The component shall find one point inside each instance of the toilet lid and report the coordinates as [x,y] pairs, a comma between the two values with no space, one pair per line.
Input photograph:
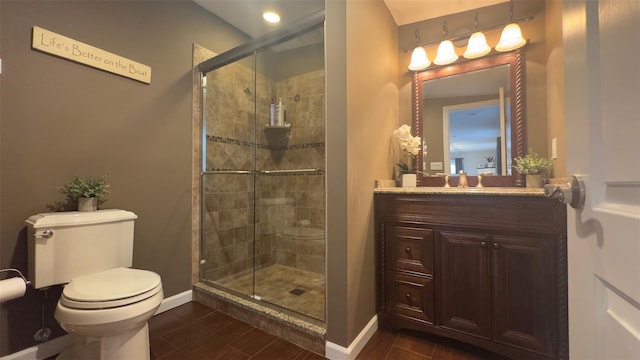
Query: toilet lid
[111,288]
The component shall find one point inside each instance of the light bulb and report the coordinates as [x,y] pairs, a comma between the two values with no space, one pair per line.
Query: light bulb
[446,53]
[511,38]
[477,46]
[419,59]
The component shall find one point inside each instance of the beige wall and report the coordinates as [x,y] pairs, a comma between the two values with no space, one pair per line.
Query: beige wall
[555,87]
[60,118]
[336,176]
[361,115]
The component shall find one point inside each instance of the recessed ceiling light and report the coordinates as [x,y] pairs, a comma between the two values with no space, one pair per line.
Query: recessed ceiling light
[271,17]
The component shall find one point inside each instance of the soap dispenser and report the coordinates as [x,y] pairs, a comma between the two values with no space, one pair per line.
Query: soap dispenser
[280,113]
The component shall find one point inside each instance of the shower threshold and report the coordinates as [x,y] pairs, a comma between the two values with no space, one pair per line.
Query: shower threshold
[306,334]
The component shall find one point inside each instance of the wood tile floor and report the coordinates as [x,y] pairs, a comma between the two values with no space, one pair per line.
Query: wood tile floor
[194,331]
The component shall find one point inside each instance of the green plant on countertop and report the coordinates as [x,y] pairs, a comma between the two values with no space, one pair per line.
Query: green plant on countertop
[89,187]
[532,164]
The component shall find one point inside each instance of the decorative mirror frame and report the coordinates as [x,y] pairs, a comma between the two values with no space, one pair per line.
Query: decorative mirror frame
[515,60]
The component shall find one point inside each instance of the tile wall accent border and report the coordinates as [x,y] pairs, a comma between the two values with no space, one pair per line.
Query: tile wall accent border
[226,140]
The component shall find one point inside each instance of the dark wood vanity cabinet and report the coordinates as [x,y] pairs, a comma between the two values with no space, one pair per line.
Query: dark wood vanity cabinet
[489,270]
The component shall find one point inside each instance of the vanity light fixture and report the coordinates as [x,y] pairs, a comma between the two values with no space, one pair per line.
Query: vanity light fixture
[511,37]
[419,59]
[477,46]
[271,17]
[446,53]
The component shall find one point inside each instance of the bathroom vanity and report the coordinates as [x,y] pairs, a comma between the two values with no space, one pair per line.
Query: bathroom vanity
[484,266]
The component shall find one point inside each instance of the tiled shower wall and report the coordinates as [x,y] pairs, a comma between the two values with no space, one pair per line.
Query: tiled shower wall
[283,201]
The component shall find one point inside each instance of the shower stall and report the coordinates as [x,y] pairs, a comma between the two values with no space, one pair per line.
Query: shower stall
[262,170]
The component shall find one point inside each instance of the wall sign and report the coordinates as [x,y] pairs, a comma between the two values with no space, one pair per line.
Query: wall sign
[56,44]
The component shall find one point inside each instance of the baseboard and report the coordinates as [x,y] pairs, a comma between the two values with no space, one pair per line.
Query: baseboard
[42,351]
[336,352]
[57,345]
[175,301]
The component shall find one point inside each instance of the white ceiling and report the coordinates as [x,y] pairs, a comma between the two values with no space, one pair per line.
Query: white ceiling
[411,11]
[246,15]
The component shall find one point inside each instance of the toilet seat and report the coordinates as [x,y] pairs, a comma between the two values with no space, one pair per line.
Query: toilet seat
[110,289]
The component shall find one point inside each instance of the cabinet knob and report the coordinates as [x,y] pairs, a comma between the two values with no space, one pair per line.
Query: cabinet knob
[496,245]
[408,296]
[407,250]
[483,244]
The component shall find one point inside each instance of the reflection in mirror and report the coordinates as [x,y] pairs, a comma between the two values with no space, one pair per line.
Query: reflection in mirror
[472,117]
[474,111]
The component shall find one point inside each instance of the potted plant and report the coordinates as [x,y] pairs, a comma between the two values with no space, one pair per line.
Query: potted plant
[489,161]
[533,166]
[86,192]
[410,145]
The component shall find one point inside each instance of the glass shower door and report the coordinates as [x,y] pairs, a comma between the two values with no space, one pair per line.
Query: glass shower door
[228,180]
[290,160]
[263,192]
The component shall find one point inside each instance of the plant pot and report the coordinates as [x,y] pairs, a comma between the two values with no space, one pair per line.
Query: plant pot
[87,204]
[535,181]
[408,180]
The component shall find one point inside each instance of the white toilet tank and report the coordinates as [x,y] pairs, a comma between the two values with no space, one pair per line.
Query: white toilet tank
[63,245]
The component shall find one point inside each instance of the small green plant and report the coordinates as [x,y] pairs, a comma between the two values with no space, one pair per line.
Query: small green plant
[532,164]
[89,187]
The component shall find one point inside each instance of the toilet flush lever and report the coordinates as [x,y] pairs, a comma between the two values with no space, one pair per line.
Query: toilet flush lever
[44,234]
[572,192]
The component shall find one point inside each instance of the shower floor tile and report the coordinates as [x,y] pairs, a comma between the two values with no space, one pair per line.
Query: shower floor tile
[279,284]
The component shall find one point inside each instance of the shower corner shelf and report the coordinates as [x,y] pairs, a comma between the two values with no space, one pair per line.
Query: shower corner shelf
[277,127]
[277,136]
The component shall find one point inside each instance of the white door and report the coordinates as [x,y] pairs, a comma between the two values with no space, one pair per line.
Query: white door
[602,77]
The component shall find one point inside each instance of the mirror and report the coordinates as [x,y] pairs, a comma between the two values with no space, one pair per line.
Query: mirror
[471,117]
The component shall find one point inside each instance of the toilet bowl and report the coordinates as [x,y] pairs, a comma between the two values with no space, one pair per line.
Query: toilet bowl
[108,313]
[105,304]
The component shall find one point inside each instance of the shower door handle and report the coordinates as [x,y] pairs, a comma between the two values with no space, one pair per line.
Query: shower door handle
[211,172]
[290,171]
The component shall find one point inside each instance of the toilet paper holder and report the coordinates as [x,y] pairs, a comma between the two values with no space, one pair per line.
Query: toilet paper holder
[27,282]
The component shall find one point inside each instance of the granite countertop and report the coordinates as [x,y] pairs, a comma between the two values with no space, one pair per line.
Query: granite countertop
[506,191]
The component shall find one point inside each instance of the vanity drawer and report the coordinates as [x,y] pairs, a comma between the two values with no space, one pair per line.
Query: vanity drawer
[409,247]
[410,296]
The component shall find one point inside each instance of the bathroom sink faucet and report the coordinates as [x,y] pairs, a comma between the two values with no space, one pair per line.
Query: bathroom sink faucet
[462,180]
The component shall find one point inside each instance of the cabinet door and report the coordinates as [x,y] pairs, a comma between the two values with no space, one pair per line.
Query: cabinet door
[464,304]
[524,295]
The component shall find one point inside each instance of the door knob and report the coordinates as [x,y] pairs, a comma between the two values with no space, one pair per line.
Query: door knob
[572,192]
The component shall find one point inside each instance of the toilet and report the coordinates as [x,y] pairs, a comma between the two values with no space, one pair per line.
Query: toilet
[105,304]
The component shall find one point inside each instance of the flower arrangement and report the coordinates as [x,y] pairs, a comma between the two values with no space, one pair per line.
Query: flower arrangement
[86,188]
[409,144]
[532,164]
